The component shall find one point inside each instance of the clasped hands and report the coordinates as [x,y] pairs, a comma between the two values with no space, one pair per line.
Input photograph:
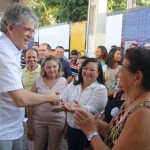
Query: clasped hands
[54,98]
[86,121]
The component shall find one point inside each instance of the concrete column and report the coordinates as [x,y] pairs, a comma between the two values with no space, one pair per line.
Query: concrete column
[96,26]
[131,4]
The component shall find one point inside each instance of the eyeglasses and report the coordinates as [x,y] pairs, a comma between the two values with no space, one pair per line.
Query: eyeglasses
[122,68]
[88,69]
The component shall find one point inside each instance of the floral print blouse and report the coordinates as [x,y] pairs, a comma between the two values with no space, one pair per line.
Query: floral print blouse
[118,123]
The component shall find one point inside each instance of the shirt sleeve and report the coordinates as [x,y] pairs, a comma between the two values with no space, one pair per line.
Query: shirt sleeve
[97,101]
[68,69]
[65,94]
[10,69]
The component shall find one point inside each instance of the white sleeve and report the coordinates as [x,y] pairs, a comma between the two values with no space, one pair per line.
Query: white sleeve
[97,101]
[66,92]
[10,72]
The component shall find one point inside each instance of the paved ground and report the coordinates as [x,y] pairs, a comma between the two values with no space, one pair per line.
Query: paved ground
[63,145]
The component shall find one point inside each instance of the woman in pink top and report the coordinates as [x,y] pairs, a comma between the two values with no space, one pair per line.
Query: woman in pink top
[47,124]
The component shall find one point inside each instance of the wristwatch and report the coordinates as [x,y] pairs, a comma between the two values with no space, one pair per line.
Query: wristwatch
[91,135]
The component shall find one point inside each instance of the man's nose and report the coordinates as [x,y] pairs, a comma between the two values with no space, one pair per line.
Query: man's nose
[30,34]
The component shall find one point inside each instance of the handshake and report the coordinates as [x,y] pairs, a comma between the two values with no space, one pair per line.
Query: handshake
[55,98]
[63,105]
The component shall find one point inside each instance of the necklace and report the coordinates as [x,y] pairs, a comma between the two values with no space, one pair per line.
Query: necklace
[139,95]
[122,117]
[124,96]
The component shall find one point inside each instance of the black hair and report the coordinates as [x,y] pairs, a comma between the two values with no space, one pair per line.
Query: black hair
[139,60]
[114,46]
[36,44]
[31,49]
[84,57]
[100,78]
[60,47]
[134,45]
[104,51]
[48,46]
[110,59]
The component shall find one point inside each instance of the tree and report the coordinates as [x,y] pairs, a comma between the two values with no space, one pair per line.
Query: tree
[56,11]
[143,3]
[69,10]
[116,5]
[44,12]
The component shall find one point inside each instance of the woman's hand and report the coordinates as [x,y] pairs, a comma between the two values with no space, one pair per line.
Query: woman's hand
[110,92]
[72,107]
[59,108]
[69,107]
[86,121]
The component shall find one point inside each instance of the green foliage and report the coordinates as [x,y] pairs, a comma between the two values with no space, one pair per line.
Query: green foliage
[142,3]
[116,5]
[56,11]
[70,10]
[71,13]
[44,12]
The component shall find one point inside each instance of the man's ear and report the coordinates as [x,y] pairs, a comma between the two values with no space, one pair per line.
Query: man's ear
[10,28]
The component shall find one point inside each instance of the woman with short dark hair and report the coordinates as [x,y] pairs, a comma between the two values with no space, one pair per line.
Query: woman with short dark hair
[129,129]
[90,93]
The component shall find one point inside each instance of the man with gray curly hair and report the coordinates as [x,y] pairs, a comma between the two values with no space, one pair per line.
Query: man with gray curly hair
[17,28]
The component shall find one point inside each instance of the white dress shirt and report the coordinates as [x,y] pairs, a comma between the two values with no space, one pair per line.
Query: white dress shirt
[93,98]
[11,116]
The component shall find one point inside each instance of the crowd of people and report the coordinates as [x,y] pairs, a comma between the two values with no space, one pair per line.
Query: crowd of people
[95,103]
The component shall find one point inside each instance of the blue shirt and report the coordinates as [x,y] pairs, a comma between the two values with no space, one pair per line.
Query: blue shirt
[66,68]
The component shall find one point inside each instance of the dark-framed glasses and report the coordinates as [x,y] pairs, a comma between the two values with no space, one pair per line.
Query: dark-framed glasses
[88,69]
[122,68]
